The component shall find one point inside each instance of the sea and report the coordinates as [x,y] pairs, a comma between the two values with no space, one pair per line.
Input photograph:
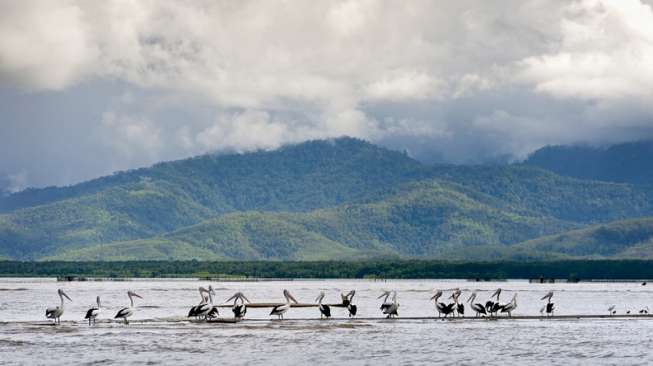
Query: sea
[159,333]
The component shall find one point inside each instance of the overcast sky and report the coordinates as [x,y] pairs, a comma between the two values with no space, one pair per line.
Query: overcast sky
[90,87]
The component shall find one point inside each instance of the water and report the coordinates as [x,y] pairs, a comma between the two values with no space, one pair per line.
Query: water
[159,333]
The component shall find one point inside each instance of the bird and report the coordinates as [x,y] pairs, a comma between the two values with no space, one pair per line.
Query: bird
[325,310]
[213,309]
[611,309]
[279,310]
[57,311]
[93,312]
[478,308]
[644,310]
[438,306]
[202,307]
[126,312]
[496,293]
[390,309]
[459,308]
[385,304]
[511,306]
[549,307]
[445,309]
[239,309]
[347,300]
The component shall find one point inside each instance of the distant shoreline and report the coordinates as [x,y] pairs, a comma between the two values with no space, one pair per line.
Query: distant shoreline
[543,272]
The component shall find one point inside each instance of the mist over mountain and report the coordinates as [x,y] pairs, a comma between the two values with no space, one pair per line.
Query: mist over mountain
[630,162]
[323,199]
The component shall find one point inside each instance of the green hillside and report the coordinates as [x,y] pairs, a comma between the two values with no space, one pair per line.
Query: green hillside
[426,219]
[631,239]
[298,177]
[335,199]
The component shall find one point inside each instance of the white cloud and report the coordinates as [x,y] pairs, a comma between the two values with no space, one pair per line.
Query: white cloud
[606,53]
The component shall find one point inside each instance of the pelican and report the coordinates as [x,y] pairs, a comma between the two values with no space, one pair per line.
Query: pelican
[202,307]
[446,309]
[213,309]
[478,308]
[347,300]
[325,310]
[459,307]
[644,310]
[206,306]
[511,306]
[385,304]
[239,310]
[93,312]
[279,310]
[611,309]
[438,306]
[496,293]
[550,307]
[57,311]
[127,312]
[390,309]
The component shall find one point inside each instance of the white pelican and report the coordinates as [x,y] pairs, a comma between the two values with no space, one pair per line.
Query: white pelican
[611,309]
[279,310]
[390,309]
[57,311]
[325,310]
[202,306]
[347,300]
[478,308]
[239,310]
[93,312]
[127,312]
[511,306]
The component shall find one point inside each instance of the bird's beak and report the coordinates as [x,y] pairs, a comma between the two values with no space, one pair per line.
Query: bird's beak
[66,296]
[244,298]
[231,298]
[137,295]
[386,293]
[292,298]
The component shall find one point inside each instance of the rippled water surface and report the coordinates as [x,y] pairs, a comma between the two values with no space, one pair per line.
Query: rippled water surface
[160,334]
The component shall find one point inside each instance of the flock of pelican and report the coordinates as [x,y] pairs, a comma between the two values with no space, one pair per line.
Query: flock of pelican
[207,310]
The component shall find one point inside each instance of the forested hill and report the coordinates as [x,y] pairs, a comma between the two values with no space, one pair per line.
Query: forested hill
[342,198]
[296,177]
[630,162]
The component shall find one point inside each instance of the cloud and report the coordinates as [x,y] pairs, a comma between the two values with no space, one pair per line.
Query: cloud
[606,53]
[130,83]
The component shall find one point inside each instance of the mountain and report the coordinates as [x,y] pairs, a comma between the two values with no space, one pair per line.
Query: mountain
[626,163]
[424,219]
[340,198]
[625,239]
[151,201]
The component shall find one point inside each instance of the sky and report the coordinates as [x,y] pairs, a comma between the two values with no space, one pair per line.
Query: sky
[91,87]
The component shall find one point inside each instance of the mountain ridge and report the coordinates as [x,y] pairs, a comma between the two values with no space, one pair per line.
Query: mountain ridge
[322,199]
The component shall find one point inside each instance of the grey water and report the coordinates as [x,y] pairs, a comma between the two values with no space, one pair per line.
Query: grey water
[159,333]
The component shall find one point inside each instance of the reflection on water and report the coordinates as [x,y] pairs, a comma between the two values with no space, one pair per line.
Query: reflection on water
[157,335]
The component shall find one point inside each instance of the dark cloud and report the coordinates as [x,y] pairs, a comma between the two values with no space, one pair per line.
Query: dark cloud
[125,84]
